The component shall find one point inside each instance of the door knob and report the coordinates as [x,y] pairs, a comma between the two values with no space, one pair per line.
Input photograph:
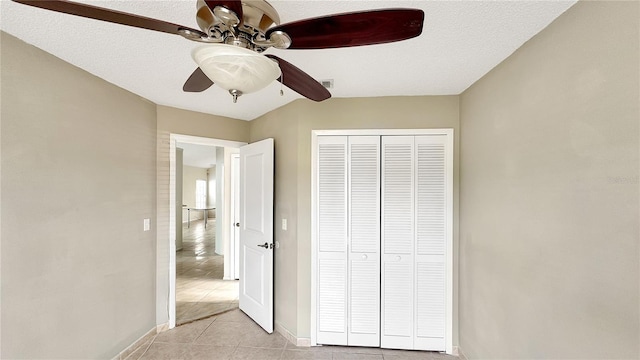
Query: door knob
[237,224]
[265,245]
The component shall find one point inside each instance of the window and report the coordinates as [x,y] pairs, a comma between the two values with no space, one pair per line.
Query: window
[201,194]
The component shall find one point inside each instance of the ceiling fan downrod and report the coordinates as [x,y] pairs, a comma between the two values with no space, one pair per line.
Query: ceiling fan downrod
[236,94]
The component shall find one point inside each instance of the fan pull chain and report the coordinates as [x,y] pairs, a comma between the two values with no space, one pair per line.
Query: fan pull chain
[281,80]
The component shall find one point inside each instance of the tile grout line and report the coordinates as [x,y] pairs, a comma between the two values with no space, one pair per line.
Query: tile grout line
[283,350]
[235,350]
[205,329]
[148,346]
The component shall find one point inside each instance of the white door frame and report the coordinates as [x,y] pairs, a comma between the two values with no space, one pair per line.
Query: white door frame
[234,232]
[173,138]
[314,199]
[227,219]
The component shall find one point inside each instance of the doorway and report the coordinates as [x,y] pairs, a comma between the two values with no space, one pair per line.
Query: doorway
[201,283]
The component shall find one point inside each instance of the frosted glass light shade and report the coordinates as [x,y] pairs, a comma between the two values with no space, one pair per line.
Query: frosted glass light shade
[235,68]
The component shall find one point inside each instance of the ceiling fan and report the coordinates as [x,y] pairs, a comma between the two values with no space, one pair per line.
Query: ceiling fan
[237,32]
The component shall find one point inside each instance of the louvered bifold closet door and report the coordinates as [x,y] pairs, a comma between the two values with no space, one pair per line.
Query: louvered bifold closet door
[332,240]
[364,241]
[431,181]
[397,242]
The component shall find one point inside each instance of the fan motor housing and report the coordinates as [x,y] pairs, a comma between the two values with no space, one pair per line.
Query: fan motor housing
[258,17]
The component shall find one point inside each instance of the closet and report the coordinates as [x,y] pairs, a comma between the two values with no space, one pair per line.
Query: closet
[382,242]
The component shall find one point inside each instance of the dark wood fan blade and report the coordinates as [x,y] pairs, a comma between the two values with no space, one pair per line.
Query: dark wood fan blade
[98,13]
[197,82]
[300,82]
[353,29]
[233,5]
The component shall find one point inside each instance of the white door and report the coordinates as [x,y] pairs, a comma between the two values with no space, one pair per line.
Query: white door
[364,241]
[397,242]
[256,232]
[348,240]
[383,241]
[332,240]
[431,204]
[415,223]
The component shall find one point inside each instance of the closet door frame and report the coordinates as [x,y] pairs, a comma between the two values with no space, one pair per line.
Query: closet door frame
[448,132]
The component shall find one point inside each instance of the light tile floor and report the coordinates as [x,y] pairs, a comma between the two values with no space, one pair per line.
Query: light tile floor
[233,335]
[200,290]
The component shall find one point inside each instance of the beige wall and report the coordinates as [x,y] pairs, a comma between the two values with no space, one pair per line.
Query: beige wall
[291,127]
[211,190]
[282,125]
[79,282]
[185,122]
[189,176]
[220,185]
[549,248]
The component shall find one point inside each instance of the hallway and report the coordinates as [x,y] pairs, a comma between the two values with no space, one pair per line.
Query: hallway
[200,290]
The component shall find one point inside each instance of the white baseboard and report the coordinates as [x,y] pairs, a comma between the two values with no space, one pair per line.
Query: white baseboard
[285,333]
[303,342]
[136,344]
[162,327]
[458,352]
[455,351]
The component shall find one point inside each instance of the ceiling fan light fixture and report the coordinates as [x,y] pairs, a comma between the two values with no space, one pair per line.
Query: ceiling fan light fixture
[236,68]
[242,29]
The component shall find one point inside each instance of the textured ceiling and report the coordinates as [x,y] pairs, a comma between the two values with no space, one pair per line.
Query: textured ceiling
[461,41]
